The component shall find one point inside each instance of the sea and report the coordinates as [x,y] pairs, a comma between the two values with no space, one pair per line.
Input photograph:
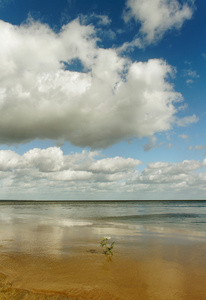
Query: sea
[173,215]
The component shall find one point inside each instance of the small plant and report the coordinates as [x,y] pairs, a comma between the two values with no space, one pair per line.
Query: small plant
[108,249]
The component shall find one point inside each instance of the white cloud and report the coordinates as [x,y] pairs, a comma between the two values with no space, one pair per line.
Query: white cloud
[106,100]
[189,81]
[102,19]
[113,165]
[49,169]
[157,16]
[49,174]
[46,160]
[190,75]
[8,160]
[130,46]
[187,121]
[167,173]
[70,175]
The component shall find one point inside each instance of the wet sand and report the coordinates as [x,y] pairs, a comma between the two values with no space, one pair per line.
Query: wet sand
[144,266]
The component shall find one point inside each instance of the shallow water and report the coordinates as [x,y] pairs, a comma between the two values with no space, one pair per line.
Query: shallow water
[50,250]
[185,215]
[52,227]
[144,268]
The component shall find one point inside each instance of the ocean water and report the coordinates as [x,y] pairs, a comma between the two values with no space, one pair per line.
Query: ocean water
[174,215]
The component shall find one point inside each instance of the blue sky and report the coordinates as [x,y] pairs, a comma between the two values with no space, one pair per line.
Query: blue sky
[102,99]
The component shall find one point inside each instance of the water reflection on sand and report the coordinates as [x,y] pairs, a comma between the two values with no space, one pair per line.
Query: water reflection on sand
[43,252]
[24,232]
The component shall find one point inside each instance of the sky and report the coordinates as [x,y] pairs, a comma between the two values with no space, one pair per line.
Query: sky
[102,100]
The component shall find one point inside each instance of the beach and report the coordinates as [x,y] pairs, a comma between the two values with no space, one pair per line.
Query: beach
[49,260]
[144,267]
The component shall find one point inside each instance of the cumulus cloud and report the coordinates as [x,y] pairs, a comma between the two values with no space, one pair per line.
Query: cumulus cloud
[48,172]
[53,160]
[177,174]
[113,165]
[63,86]
[105,100]
[47,168]
[157,16]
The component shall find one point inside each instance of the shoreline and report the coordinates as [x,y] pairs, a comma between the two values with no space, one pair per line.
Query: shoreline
[11,201]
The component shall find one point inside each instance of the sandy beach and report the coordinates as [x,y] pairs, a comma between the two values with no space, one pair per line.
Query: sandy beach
[143,266]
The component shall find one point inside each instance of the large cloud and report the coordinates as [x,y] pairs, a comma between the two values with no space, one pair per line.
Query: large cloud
[158,16]
[106,99]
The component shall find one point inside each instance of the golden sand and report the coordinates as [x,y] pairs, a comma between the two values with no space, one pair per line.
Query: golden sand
[154,268]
